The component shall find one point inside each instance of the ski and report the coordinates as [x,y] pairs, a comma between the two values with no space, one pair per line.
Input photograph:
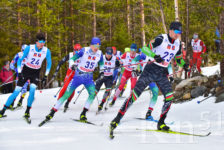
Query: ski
[28,120]
[17,108]
[153,120]
[176,132]
[3,116]
[87,122]
[43,122]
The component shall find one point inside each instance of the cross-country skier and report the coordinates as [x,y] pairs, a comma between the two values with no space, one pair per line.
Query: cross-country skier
[13,67]
[117,54]
[130,70]
[198,48]
[35,55]
[163,49]
[89,57]
[70,73]
[106,77]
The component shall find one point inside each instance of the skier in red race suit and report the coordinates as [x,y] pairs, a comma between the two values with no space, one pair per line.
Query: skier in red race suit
[198,48]
[130,70]
[70,73]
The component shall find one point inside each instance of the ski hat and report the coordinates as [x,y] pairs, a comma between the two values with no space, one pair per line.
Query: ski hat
[23,47]
[133,47]
[127,49]
[109,50]
[77,47]
[95,41]
[176,26]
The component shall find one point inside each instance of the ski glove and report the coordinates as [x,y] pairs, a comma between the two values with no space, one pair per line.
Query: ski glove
[101,75]
[134,73]
[158,59]
[171,80]
[44,80]
[74,67]
[186,67]
[55,74]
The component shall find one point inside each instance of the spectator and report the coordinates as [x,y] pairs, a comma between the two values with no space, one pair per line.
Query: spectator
[6,76]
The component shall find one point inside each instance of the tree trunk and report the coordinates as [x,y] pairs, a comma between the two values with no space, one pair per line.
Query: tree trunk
[94,17]
[38,16]
[19,23]
[221,30]
[162,16]
[128,16]
[29,21]
[133,23]
[72,23]
[142,21]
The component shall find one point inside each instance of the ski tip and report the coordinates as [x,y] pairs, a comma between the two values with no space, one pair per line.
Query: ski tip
[208,133]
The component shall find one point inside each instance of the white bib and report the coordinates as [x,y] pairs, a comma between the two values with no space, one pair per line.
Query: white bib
[108,65]
[34,58]
[127,61]
[196,46]
[166,50]
[89,61]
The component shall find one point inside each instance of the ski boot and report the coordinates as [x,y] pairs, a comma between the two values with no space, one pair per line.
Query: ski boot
[83,118]
[114,123]
[112,103]
[162,126]
[100,107]
[148,115]
[2,113]
[83,115]
[66,106]
[27,118]
[51,115]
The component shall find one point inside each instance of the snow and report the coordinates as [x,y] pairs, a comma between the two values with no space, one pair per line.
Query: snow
[63,133]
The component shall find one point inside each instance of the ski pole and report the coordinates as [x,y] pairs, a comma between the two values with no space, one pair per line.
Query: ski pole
[79,94]
[8,79]
[204,99]
[7,83]
[64,83]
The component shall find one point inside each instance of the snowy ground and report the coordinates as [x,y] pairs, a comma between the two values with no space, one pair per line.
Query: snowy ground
[63,133]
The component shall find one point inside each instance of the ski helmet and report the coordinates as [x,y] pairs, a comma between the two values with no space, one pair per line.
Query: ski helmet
[95,41]
[77,47]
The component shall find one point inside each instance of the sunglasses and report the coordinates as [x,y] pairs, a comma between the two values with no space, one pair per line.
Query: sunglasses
[132,49]
[96,46]
[41,41]
[109,53]
[177,31]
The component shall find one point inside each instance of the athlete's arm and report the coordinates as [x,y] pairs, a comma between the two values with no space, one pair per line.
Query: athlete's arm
[13,62]
[178,57]
[101,62]
[48,59]
[78,54]
[154,43]
[64,59]
[19,62]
